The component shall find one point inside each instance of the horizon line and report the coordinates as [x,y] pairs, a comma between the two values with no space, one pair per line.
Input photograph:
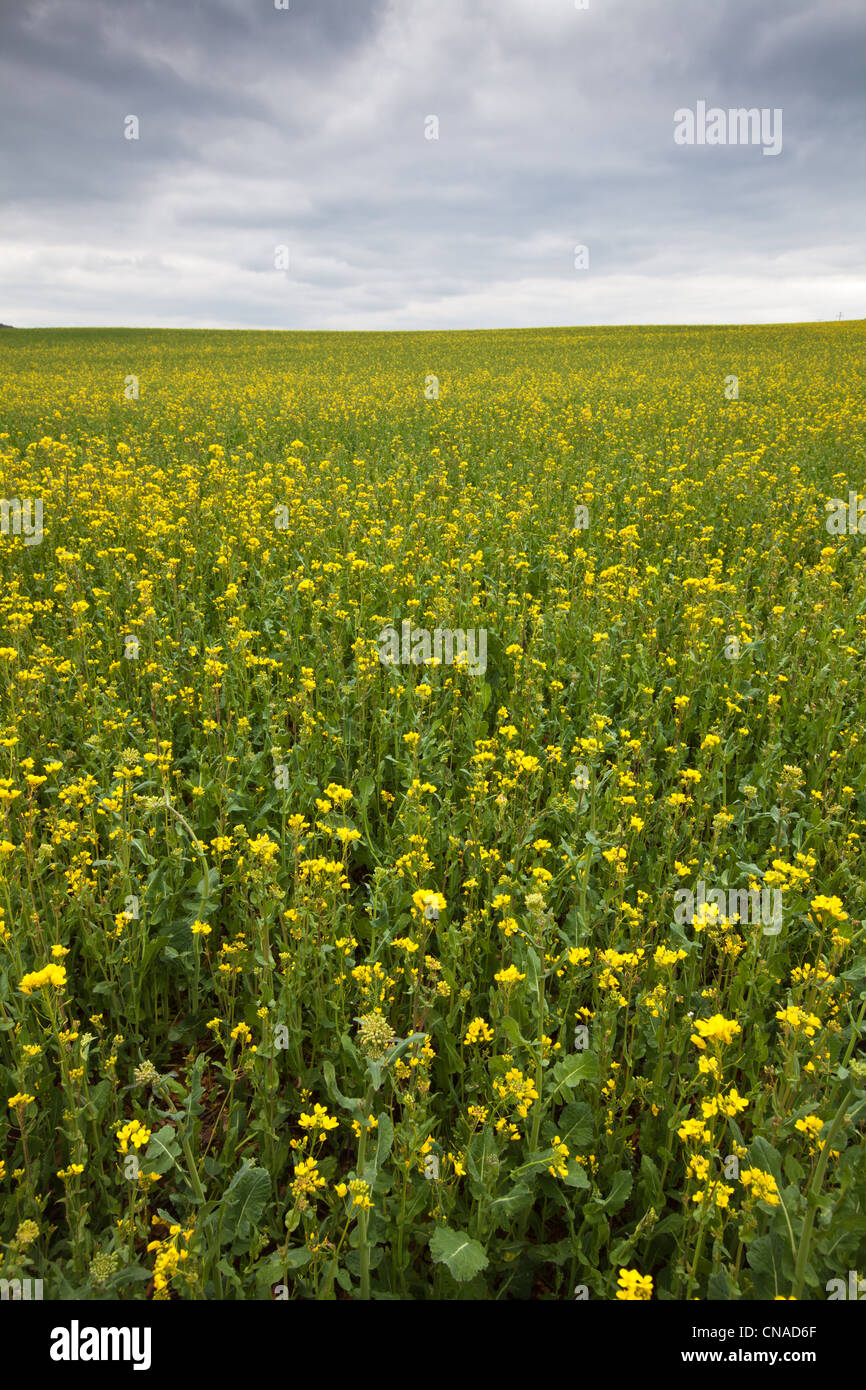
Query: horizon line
[506,328]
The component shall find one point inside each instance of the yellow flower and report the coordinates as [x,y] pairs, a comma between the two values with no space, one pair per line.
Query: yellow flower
[664,957]
[49,975]
[72,1171]
[798,1019]
[509,977]
[762,1185]
[716,1029]
[430,904]
[694,1131]
[733,1102]
[134,1133]
[559,1167]
[307,1179]
[634,1287]
[341,795]
[21,1098]
[360,1191]
[517,1090]
[828,907]
[319,1119]
[478,1031]
[810,1125]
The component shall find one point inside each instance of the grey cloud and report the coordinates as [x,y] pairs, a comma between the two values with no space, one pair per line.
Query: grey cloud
[306,127]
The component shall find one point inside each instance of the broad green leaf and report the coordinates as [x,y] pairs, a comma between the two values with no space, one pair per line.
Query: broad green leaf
[297,1258]
[764,1255]
[576,1126]
[384,1139]
[511,1029]
[582,1066]
[718,1286]
[163,1150]
[765,1157]
[402,1048]
[576,1175]
[244,1201]
[511,1203]
[619,1192]
[463,1255]
[347,1102]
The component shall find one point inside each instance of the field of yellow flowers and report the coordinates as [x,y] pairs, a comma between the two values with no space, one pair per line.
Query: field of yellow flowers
[328,973]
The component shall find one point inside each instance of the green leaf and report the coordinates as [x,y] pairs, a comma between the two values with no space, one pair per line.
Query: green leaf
[650,1180]
[511,1203]
[511,1029]
[347,1102]
[763,1255]
[576,1126]
[582,1066]
[464,1256]
[765,1157]
[244,1200]
[718,1286]
[297,1258]
[150,951]
[99,1097]
[576,1175]
[353,1260]
[384,1139]
[269,1270]
[163,1151]
[533,969]
[403,1047]
[619,1192]
[794,1171]
[669,1225]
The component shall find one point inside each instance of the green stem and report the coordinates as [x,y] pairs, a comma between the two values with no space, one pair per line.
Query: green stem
[812,1198]
[364,1218]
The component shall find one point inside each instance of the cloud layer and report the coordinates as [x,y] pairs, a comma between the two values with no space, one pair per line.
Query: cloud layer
[306,128]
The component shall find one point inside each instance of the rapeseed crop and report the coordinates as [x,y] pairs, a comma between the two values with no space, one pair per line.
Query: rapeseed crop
[338,964]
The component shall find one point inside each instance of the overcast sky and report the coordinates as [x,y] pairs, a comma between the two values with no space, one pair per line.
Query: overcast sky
[307,128]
